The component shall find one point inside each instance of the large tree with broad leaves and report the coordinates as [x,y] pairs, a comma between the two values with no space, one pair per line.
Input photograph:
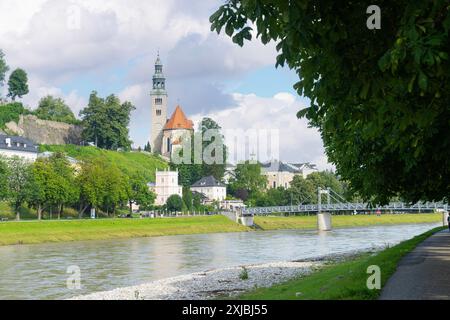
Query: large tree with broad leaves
[380,98]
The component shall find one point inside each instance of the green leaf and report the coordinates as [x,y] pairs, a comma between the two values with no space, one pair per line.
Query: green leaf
[423,81]
[229,29]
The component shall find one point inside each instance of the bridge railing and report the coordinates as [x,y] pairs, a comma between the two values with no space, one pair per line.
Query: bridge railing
[336,207]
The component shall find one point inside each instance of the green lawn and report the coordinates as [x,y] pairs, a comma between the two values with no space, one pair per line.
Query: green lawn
[128,162]
[341,281]
[31,232]
[305,222]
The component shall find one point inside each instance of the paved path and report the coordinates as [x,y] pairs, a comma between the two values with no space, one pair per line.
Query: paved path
[423,274]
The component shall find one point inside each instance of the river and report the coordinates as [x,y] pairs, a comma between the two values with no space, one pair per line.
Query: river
[40,271]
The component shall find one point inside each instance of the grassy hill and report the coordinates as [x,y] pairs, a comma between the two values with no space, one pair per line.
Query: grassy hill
[128,162]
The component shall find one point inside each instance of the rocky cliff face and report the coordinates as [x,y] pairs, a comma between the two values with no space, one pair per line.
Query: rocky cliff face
[44,131]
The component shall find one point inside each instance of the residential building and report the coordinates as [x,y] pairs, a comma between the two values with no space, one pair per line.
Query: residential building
[280,174]
[166,185]
[212,188]
[14,146]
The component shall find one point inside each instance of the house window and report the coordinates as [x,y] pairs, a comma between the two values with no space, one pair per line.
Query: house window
[274,184]
[158,112]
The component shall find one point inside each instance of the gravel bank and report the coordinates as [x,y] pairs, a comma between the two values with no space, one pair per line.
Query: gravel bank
[209,284]
[218,283]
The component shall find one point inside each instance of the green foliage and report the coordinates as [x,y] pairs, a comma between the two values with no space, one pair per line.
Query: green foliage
[190,172]
[174,203]
[3,68]
[248,177]
[218,154]
[188,198]
[303,191]
[148,147]
[11,112]
[379,97]
[55,109]
[102,185]
[18,175]
[4,171]
[197,168]
[106,121]
[17,84]
[130,163]
[243,275]
[139,193]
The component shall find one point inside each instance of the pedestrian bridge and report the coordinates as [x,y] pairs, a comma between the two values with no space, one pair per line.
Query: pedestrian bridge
[348,207]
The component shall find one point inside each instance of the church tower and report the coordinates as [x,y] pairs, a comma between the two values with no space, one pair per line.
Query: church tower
[159,107]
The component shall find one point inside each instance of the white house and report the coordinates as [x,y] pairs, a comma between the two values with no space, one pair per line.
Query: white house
[14,146]
[166,185]
[280,174]
[212,188]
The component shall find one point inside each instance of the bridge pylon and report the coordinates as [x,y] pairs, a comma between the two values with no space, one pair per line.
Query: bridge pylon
[323,218]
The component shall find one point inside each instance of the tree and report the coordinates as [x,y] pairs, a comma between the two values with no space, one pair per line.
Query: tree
[91,181]
[216,169]
[18,84]
[324,180]
[18,175]
[38,185]
[116,185]
[4,172]
[62,183]
[190,172]
[302,191]
[139,193]
[248,177]
[3,69]
[106,121]
[188,198]
[379,97]
[54,109]
[174,203]
[147,147]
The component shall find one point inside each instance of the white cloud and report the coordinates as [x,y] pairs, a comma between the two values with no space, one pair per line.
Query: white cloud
[42,36]
[298,142]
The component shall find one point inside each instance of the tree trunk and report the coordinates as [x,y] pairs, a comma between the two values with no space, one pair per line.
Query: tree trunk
[39,212]
[131,207]
[60,211]
[82,210]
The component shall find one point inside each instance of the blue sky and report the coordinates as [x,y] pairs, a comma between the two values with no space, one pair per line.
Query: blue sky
[71,47]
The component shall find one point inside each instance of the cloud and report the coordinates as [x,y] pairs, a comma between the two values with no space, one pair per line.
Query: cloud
[70,47]
[297,142]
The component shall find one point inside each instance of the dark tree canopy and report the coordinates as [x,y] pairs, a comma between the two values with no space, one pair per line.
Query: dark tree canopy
[174,203]
[105,122]
[18,84]
[54,109]
[380,98]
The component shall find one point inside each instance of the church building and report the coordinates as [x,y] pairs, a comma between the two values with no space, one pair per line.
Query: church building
[167,133]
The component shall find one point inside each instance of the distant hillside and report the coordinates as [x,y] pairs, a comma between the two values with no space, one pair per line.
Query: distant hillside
[128,162]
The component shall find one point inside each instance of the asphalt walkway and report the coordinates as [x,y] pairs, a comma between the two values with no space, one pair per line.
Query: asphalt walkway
[423,274]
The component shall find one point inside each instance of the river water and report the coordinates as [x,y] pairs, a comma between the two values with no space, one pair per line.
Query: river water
[40,271]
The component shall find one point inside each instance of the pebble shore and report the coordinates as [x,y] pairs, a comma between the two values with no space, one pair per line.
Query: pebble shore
[225,282]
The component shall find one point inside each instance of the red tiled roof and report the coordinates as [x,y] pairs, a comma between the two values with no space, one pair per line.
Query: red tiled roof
[179,121]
